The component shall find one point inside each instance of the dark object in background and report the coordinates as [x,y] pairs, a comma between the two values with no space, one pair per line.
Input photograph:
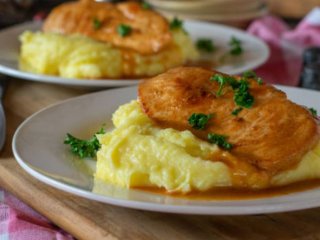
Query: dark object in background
[311,55]
[17,11]
[310,74]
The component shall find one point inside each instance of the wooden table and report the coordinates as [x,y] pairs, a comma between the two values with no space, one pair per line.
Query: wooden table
[87,219]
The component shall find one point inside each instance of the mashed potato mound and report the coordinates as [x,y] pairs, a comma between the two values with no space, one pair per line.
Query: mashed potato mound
[139,154]
[76,56]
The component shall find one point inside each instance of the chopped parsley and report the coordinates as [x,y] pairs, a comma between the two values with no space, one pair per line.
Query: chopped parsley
[252,74]
[242,97]
[235,46]
[220,140]
[313,112]
[84,148]
[96,23]
[124,30]
[176,23]
[205,45]
[223,81]
[199,120]
[145,5]
[236,111]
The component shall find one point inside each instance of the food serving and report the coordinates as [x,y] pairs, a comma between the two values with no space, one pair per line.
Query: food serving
[193,129]
[89,39]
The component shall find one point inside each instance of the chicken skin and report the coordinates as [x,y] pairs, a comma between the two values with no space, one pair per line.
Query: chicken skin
[149,34]
[272,135]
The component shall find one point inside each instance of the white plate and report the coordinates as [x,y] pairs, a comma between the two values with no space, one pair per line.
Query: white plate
[256,53]
[39,149]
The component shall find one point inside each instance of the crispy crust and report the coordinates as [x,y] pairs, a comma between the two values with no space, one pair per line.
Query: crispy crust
[273,135]
[150,31]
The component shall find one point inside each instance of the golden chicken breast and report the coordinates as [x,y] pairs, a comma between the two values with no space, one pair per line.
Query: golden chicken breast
[101,21]
[272,134]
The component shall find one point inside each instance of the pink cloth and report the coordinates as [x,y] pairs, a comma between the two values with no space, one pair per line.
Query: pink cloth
[286,46]
[20,222]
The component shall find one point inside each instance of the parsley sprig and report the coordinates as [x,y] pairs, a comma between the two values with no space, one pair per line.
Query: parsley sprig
[223,81]
[176,23]
[199,120]
[124,30]
[84,148]
[96,23]
[236,111]
[145,5]
[242,96]
[235,46]
[313,112]
[220,140]
[251,74]
[205,45]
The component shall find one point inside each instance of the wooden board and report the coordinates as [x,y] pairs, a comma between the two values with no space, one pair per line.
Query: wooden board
[87,219]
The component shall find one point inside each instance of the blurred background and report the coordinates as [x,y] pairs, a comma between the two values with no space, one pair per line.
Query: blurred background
[238,13]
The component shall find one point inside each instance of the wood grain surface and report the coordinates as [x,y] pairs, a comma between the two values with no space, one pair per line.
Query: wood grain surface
[87,219]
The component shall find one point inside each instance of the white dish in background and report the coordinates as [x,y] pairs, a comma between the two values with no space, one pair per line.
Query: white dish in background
[226,11]
[255,53]
[39,149]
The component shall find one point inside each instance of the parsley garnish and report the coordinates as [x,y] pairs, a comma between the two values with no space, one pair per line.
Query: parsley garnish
[145,5]
[236,48]
[205,44]
[313,112]
[224,80]
[236,111]
[176,23]
[96,23]
[220,140]
[124,30]
[242,97]
[252,74]
[84,148]
[199,120]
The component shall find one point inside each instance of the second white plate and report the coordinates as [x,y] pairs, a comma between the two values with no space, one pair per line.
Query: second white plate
[255,53]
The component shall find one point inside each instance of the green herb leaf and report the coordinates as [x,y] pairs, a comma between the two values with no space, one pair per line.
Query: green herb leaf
[223,81]
[236,47]
[84,148]
[313,112]
[236,111]
[205,44]
[199,120]
[96,23]
[176,23]
[242,97]
[145,5]
[220,140]
[252,74]
[124,30]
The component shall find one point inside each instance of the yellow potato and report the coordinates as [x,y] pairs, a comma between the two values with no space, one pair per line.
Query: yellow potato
[76,56]
[139,154]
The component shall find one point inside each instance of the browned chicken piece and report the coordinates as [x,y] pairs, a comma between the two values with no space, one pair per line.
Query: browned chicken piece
[100,20]
[272,135]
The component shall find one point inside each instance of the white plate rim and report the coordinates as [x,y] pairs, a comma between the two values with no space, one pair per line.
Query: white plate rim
[125,82]
[199,210]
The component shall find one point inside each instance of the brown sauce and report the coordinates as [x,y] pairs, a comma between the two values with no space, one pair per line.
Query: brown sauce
[225,193]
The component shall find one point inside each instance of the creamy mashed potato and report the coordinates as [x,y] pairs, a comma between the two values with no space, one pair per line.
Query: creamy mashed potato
[139,154]
[76,56]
